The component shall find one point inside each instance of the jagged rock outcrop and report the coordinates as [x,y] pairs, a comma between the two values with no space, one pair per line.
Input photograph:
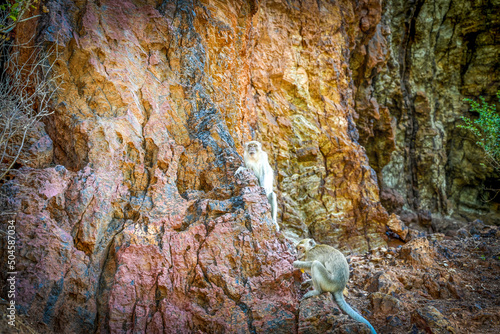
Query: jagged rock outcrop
[226,270]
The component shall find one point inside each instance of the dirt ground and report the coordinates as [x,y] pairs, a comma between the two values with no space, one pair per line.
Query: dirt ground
[437,284]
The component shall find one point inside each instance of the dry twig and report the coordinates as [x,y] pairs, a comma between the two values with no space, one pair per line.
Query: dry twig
[26,87]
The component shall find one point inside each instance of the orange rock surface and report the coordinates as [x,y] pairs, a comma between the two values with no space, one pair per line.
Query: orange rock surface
[208,77]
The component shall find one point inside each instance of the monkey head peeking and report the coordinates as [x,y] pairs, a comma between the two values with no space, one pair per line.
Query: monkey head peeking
[257,160]
[329,272]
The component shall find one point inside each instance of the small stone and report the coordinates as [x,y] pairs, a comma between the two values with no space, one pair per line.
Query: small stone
[385,304]
[432,321]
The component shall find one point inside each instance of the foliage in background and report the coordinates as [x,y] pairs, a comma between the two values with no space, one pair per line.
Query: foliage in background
[486,129]
[13,12]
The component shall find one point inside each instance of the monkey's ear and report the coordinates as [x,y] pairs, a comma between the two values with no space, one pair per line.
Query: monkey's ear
[312,243]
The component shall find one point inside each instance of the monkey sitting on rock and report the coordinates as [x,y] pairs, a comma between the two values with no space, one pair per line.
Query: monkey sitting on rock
[257,160]
[329,272]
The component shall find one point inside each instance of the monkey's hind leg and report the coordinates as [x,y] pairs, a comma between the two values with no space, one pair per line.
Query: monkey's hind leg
[311,293]
[306,284]
[322,279]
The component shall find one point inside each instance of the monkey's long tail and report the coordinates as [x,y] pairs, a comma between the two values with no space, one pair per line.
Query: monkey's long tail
[339,298]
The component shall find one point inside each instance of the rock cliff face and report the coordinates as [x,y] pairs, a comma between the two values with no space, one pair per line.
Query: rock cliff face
[205,78]
[425,57]
[139,224]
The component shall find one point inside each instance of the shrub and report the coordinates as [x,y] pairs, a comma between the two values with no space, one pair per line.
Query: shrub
[486,129]
[26,86]
[11,13]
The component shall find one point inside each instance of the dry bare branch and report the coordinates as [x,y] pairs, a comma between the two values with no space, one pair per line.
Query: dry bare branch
[26,87]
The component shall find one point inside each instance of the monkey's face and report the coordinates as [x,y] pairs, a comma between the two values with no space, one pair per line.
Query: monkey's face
[303,247]
[300,252]
[253,148]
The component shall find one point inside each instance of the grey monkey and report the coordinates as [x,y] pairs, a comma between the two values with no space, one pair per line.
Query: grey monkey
[329,272]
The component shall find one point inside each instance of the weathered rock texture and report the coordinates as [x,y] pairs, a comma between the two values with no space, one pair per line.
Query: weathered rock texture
[140,225]
[212,265]
[209,77]
[424,58]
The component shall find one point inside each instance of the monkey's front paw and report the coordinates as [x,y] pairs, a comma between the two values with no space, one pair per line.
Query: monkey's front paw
[306,265]
[241,169]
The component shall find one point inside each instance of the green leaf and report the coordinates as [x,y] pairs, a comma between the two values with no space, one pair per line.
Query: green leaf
[485,127]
